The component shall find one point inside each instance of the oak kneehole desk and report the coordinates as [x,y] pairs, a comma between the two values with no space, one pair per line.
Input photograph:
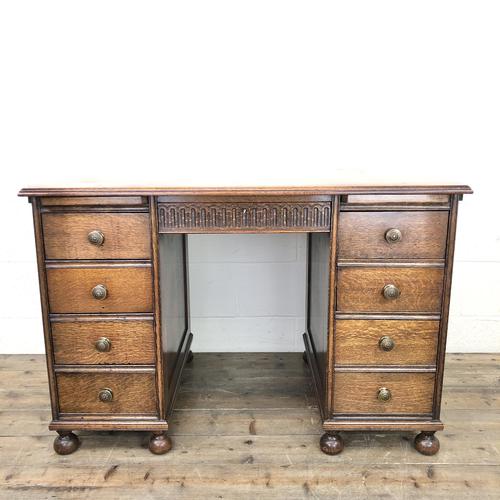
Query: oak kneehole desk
[113,275]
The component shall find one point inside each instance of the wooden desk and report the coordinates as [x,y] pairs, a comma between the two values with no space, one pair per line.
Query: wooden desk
[113,274]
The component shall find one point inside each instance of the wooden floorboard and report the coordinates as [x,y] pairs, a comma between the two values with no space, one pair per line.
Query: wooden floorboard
[247,426]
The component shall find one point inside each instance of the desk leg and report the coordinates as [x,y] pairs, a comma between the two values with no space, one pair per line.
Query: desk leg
[160,443]
[66,443]
[331,443]
[427,443]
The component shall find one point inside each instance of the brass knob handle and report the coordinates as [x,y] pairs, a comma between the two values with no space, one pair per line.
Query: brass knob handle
[106,395]
[393,235]
[96,238]
[99,292]
[103,344]
[386,343]
[391,292]
[384,394]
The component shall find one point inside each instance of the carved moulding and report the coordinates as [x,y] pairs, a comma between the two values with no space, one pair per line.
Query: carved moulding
[178,217]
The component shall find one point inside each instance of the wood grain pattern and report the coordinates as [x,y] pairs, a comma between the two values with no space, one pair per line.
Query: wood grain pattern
[126,235]
[129,289]
[445,305]
[155,263]
[248,191]
[360,289]
[109,423]
[318,278]
[133,393]
[132,342]
[93,201]
[115,465]
[265,480]
[251,216]
[332,303]
[44,301]
[357,342]
[397,199]
[174,304]
[386,423]
[362,235]
[356,393]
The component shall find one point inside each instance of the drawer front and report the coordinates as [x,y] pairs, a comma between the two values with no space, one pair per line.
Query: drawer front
[128,289]
[396,199]
[362,289]
[89,393]
[387,235]
[78,236]
[410,393]
[245,215]
[385,342]
[96,201]
[103,342]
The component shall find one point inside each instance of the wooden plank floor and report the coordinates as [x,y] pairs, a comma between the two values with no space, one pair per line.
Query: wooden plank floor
[247,426]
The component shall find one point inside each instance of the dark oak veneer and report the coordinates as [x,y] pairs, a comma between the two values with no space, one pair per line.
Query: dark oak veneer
[361,289]
[126,235]
[133,393]
[357,342]
[356,393]
[362,235]
[128,289]
[115,359]
[93,201]
[244,216]
[131,341]
[396,199]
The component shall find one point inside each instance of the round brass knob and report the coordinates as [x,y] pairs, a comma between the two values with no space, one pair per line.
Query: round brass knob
[96,238]
[99,292]
[393,235]
[106,395]
[103,344]
[384,394]
[391,292]
[386,343]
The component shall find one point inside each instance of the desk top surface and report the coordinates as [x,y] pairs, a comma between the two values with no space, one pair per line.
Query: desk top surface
[247,191]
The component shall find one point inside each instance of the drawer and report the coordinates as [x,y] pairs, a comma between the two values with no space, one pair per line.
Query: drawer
[78,236]
[361,289]
[94,201]
[410,393]
[385,342]
[107,393]
[93,342]
[389,235]
[127,289]
[395,199]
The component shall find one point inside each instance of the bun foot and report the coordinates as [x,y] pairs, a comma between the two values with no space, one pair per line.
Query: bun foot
[427,443]
[66,443]
[305,358]
[159,443]
[331,443]
[190,357]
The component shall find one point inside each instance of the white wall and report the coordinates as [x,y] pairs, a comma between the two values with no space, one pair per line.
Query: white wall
[256,93]
[248,292]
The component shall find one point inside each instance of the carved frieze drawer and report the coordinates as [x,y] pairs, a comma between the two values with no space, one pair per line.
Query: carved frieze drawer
[206,217]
